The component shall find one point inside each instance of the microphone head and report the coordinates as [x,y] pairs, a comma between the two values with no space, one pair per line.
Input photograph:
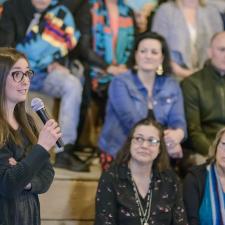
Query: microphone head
[37,104]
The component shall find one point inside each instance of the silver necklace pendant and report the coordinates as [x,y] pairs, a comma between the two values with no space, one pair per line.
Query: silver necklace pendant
[144,214]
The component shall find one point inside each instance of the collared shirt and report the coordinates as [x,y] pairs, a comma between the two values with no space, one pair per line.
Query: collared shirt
[116,205]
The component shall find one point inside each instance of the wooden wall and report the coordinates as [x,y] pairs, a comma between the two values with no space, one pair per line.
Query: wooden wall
[71,199]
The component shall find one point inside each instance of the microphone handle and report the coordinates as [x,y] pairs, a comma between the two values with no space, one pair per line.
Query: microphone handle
[60,143]
[42,113]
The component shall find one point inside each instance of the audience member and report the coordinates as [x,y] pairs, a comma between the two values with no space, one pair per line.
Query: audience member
[220,4]
[188,26]
[140,188]
[204,188]
[25,170]
[145,90]
[142,10]
[204,98]
[109,43]
[45,32]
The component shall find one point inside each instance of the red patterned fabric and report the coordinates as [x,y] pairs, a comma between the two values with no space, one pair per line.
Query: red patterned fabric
[105,160]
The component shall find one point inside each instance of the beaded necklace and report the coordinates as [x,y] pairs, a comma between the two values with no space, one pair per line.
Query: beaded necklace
[144,214]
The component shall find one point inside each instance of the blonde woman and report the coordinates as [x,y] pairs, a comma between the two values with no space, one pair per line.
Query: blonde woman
[206,186]
[187,26]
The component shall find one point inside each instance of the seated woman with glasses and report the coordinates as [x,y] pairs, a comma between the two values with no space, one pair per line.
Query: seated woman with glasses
[147,89]
[204,187]
[139,187]
[25,170]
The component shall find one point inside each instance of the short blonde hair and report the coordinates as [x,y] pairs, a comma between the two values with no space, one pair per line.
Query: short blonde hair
[214,146]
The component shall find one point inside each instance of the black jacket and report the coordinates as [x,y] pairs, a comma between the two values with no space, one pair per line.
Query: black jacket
[15,19]
[17,205]
[193,191]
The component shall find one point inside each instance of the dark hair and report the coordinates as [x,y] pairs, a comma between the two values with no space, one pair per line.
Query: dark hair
[8,57]
[161,162]
[165,50]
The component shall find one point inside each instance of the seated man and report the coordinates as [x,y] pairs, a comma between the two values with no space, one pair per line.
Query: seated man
[204,98]
[45,32]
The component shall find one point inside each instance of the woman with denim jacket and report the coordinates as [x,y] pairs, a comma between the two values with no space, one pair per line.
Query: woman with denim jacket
[147,90]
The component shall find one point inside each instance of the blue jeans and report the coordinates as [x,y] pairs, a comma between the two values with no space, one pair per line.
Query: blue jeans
[68,88]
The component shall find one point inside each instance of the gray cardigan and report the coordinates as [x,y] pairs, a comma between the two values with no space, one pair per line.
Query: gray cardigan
[170,22]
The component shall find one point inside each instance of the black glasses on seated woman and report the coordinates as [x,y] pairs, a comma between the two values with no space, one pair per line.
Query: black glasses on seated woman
[18,76]
[151,142]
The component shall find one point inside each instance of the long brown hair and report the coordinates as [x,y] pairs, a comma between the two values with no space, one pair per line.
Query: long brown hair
[8,57]
[161,162]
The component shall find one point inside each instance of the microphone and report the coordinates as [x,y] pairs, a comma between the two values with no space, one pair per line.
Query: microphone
[38,106]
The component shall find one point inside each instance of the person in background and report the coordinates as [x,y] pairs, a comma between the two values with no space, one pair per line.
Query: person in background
[25,170]
[140,188]
[142,10]
[147,89]
[204,187]
[108,45]
[45,31]
[220,4]
[204,98]
[187,26]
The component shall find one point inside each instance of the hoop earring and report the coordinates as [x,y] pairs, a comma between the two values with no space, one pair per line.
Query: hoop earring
[160,71]
[135,67]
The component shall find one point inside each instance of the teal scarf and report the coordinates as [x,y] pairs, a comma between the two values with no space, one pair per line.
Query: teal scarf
[212,210]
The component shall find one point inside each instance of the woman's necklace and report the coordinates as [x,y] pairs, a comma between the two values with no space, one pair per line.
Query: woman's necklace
[144,214]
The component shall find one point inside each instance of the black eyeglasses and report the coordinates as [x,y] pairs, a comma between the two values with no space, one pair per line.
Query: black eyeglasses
[18,76]
[152,142]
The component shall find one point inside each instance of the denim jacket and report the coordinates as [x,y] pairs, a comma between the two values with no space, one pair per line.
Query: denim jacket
[128,104]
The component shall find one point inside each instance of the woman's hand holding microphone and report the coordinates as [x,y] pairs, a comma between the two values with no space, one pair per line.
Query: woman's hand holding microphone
[49,134]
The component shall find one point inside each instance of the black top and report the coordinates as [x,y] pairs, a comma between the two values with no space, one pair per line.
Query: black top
[194,186]
[20,206]
[14,22]
[115,199]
